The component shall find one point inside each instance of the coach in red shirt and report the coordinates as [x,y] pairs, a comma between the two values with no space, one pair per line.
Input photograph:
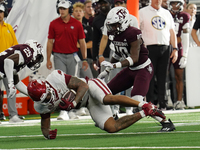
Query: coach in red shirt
[64,33]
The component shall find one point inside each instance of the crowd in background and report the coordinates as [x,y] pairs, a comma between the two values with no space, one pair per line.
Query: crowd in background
[82,57]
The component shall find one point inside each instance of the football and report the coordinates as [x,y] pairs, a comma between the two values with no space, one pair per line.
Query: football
[69,95]
[67,101]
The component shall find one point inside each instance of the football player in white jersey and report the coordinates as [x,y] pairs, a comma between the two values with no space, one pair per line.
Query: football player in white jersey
[91,93]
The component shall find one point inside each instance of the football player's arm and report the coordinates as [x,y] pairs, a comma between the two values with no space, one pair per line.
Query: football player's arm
[79,86]
[9,64]
[134,55]
[45,127]
[173,41]
[195,37]
[49,51]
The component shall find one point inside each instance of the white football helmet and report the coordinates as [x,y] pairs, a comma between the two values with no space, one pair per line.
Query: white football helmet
[180,3]
[117,15]
[37,54]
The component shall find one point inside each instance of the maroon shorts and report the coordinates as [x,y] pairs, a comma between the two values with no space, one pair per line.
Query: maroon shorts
[139,79]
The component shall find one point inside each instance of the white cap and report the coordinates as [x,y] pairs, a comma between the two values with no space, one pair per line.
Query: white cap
[64,4]
[2,8]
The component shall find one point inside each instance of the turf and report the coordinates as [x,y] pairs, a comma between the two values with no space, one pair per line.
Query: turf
[82,134]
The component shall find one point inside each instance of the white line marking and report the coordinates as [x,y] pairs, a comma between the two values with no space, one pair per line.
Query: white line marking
[98,134]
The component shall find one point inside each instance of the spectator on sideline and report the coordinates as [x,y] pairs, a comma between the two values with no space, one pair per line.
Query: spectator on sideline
[164,4]
[78,15]
[103,43]
[192,10]
[92,93]
[13,60]
[8,39]
[181,21]
[157,37]
[138,69]
[195,29]
[88,12]
[98,25]
[86,21]
[64,33]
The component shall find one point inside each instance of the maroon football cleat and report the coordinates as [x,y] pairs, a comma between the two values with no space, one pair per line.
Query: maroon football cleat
[151,110]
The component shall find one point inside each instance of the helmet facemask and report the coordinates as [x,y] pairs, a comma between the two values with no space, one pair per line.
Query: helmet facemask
[48,96]
[37,54]
[179,5]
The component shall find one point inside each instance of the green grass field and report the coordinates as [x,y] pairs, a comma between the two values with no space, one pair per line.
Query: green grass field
[82,134]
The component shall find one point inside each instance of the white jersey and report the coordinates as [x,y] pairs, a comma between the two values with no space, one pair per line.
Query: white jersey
[56,81]
[155,25]
[93,99]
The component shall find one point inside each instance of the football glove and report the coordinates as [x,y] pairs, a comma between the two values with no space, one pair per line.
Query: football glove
[107,64]
[12,90]
[104,73]
[52,134]
[67,105]
[183,62]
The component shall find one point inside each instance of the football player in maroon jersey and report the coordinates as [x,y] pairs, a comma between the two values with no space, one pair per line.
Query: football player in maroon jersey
[15,58]
[131,54]
[181,21]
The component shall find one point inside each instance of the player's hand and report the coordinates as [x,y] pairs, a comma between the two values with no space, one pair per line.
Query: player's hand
[67,105]
[12,90]
[104,73]
[107,64]
[52,134]
[183,62]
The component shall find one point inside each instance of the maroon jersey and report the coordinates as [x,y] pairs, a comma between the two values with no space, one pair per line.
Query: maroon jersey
[122,45]
[27,54]
[180,19]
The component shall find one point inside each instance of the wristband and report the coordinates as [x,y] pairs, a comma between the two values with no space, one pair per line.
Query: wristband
[130,60]
[118,65]
[175,48]
[100,55]
[84,59]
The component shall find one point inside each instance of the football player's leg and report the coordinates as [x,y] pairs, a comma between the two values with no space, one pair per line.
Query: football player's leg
[122,81]
[112,125]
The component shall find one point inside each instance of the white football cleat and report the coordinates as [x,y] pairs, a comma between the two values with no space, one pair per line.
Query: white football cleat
[72,115]
[63,115]
[15,119]
[179,105]
[81,112]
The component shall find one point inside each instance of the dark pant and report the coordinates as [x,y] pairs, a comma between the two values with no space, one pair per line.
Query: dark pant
[159,55]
